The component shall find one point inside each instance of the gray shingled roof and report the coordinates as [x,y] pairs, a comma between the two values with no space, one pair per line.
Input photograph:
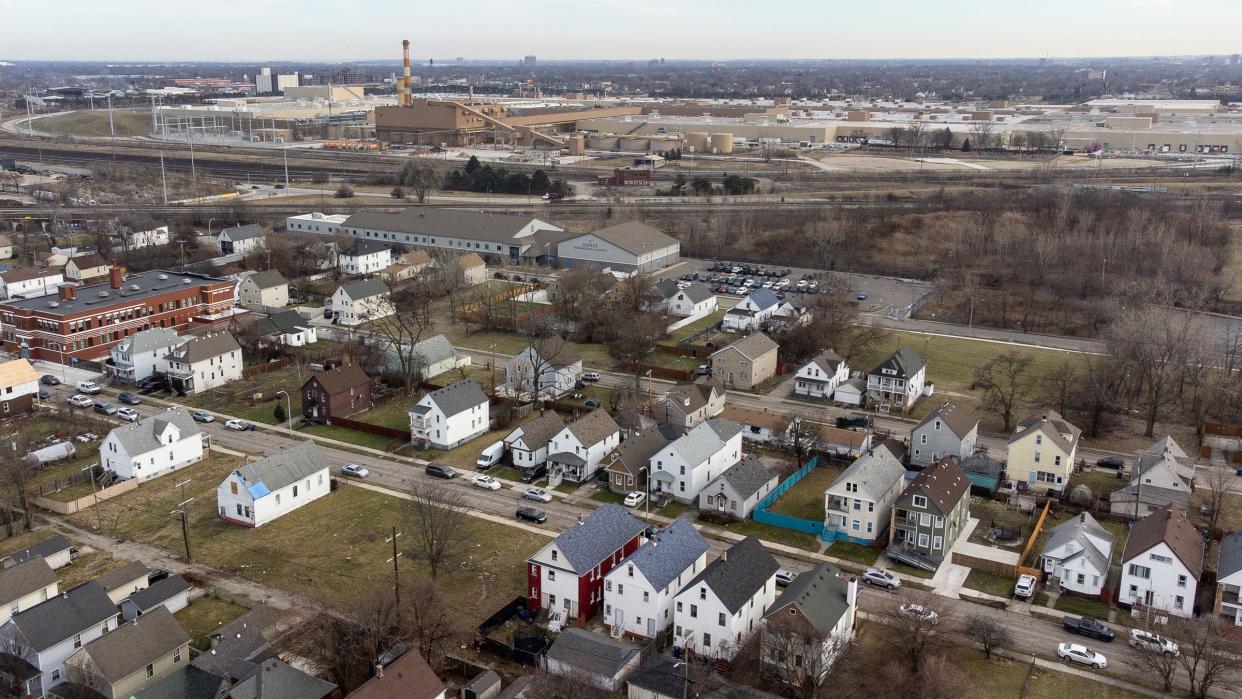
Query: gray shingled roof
[362,247]
[186,682]
[1230,560]
[458,397]
[46,548]
[126,650]
[820,594]
[364,288]
[24,578]
[1075,532]
[434,350]
[246,232]
[747,476]
[537,432]
[752,346]
[705,439]
[957,419]
[160,592]
[763,298]
[667,555]
[204,347]
[240,640]
[593,427]
[267,279]
[148,340]
[738,573]
[697,293]
[114,579]
[1154,495]
[288,466]
[273,679]
[141,437]
[592,652]
[602,532]
[452,223]
[905,361]
[827,361]
[1053,425]
[59,618]
[635,453]
[875,472]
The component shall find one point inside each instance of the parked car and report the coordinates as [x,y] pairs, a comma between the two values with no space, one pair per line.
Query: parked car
[129,399]
[703,370]
[355,471]
[590,376]
[784,577]
[49,380]
[485,482]
[200,416]
[1076,653]
[881,578]
[239,425]
[919,613]
[105,408]
[127,414]
[43,394]
[1147,640]
[88,387]
[1025,586]
[537,494]
[1086,626]
[862,296]
[531,514]
[440,471]
[156,575]
[635,498]
[855,420]
[152,383]
[531,475]
[1113,462]
[490,456]
[78,400]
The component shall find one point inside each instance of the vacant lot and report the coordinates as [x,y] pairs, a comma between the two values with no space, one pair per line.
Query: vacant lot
[254,399]
[805,499]
[128,122]
[204,616]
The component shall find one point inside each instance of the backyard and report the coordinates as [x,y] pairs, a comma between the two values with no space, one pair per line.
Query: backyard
[204,616]
[991,513]
[805,500]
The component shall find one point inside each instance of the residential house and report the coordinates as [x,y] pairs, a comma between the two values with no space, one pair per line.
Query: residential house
[1161,563]
[578,449]
[241,240]
[86,268]
[472,268]
[628,464]
[315,251]
[548,370]
[656,297]
[1163,474]
[355,303]
[25,585]
[267,489]
[725,603]
[204,362]
[857,503]
[133,656]
[1229,580]
[406,676]
[19,385]
[684,467]
[436,355]
[759,425]
[56,550]
[263,291]
[665,677]
[153,446]
[592,658]
[751,313]
[566,576]
[947,430]
[1077,555]
[738,490]
[130,239]
[820,377]
[851,392]
[142,355]
[745,363]
[898,381]
[449,416]
[336,393]
[287,328]
[688,404]
[841,442]
[397,272]
[694,301]
[262,676]
[638,594]
[30,282]
[238,647]
[1042,451]
[120,583]
[808,627]
[365,257]
[790,313]
[47,633]
[171,593]
[931,512]
[528,442]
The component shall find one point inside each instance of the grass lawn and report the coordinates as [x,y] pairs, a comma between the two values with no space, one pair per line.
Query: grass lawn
[1082,607]
[910,570]
[988,583]
[362,439]
[697,326]
[204,616]
[856,553]
[87,566]
[606,395]
[237,398]
[805,499]
[464,456]
[666,360]
[481,374]
[766,532]
[1101,481]
[765,387]
[1233,266]
[992,513]
[607,496]
[1041,599]
[567,487]
[675,509]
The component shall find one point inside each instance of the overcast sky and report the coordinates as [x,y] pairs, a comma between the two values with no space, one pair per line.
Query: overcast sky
[329,30]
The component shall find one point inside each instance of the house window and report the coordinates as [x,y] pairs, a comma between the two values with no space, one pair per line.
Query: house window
[923,540]
[1161,559]
[1039,439]
[870,527]
[177,656]
[295,491]
[646,596]
[56,675]
[679,611]
[702,593]
[233,487]
[77,640]
[1179,601]
[620,589]
[922,439]
[920,501]
[277,498]
[608,586]
[1139,571]
[707,640]
[937,543]
[607,610]
[694,611]
[551,575]
[150,671]
[1181,581]
[554,554]
[1036,457]
[720,618]
[924,519]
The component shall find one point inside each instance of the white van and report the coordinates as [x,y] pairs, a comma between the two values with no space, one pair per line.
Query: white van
[88,387]
[490,456]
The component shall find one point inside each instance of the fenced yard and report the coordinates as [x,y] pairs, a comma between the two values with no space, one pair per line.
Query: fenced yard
[805,499]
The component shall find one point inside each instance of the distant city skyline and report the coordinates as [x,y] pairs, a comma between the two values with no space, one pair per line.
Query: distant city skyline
[317,30]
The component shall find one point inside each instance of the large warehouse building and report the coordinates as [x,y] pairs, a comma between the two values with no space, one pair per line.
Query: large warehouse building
[626,247]
[513,238]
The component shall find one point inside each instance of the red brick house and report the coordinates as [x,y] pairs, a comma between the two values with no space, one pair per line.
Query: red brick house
[568,574]
[337,393]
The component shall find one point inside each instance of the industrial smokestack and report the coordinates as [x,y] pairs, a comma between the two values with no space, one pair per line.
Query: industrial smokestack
[405,99]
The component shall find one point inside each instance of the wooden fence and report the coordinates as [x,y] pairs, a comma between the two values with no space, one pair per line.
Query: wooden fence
[986,565]
[82,503]
[1222,429]
[358,426]
[258,369]
[1022,568]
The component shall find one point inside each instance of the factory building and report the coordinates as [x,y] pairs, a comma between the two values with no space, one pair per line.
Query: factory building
[512,238]
[626,248]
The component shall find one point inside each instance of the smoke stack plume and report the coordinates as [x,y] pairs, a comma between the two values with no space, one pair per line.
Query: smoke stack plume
[405,100]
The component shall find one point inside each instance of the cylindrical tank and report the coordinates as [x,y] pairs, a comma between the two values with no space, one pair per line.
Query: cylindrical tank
[697,141]
[722,143]
[635,144]
[577,145]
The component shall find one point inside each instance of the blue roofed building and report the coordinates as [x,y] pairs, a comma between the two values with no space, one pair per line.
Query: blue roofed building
[260,492]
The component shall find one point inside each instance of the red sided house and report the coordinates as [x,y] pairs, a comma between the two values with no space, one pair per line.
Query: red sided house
[336,393]
[568,574]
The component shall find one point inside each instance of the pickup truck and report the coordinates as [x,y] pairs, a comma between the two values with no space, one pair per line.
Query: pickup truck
[1086,626]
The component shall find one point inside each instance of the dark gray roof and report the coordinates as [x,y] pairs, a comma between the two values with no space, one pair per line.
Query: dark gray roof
[250,230]
[126,650]
[45,548]
[905,361]
[1077,533]
[763,298]
[452,223]
[738,573]
[160,592]
[663,289]
[592,653]
[115,578]
[747,476]
[1154,495]
[594,427]
[1230,560]
[142,436]
[89,297]
[273,679]
[204,347]
[363,247]
[240,640]
[186,682]
[982,464]
[24,578]
[59,618]
[267,279]
[661,675]
[820,594]
[458,397]
[827,361]
[752,346]
[669,553]
[285,321]
[957,419]
[282,468]
[537,432]
[603,531]
[724,428]
[17,668]
[635,453]
[697,293]
[364,288]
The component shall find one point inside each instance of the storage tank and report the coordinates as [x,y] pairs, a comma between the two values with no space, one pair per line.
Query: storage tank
[722,143]
[697,141]
[602,142]
[577,145]
[634,144]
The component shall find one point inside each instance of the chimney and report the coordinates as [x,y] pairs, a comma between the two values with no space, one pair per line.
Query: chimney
[114,276]
[405,100]
[1082,517]
[379,671]
[724,555]
[68,291]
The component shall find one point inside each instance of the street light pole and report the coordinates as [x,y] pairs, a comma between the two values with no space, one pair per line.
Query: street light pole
[288,409]
[209,221]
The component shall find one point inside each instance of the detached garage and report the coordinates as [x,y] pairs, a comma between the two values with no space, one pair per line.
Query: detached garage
[626,247]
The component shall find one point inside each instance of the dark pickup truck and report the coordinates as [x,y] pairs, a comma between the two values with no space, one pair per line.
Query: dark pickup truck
[1086,626]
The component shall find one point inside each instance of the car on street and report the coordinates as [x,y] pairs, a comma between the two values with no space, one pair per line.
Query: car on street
[239,425]
[1147,640]
[862,296]
[485,482]
[88,387]
[1086,626]
[635,498]
[200,416]
[78,400]
[1113,462]
[440,471]
[590,376]
[43,394]
[129,399]
[530,514]
[784,577]
[105,408]
[855,420]
[49,380]
[537,494]
[152,383]
[1025,586]
[881,578]
[355,471]
[919,613]
[1076,653]
[127,414]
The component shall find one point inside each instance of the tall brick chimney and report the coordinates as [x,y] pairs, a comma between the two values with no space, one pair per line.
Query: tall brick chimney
[114,276]
[68,292]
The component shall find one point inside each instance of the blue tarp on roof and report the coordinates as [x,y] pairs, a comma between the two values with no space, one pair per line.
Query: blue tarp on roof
[257,490]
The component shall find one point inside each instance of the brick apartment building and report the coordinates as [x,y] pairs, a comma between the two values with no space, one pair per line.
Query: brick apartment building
[83,322]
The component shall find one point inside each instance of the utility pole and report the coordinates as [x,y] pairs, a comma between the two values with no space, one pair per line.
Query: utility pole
[185,525]
[94,493]
[189,131]
[285,152]
[396,580]
[163,178]
[111,125]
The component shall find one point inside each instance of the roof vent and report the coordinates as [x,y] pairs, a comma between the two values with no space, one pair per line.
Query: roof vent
[54,304]
[103,294]
[163,276]
[134,287]
[185,280]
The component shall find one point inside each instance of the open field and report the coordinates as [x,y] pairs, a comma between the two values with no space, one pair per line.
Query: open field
[805,499]
[204,616]
[128,122]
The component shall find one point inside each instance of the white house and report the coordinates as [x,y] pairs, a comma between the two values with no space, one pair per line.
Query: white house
[566,576]
[813,618]
[820,377]
[56,550]
[549,369]
[1077,555]
[738,490]
[25,585]
[143,354]
[201,363]
[355,303]
[133,240]
[241,239]
[1229,580]
[528,442]
[789,313]
[898,381]
[638,594]
[751,312]
[263,491]
[47,633]
[449,416]
[857,503]
[365,257]
[436,355]
[689,463]
[592,658]
[577,450]
[154,446]
[1162,474]
[263,291]
[1161,563]
[948,430]
[691,302]
[725,603]
[288,328]
[30,282]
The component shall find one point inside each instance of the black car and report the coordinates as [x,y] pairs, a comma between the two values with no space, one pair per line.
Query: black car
[440,471]
[49,380]
[1086,626]
[855,420]
[1114,462]
[156,575]
[44,395]
[531,475]
[531,514]
[152,383]
[105,408]
[129,399]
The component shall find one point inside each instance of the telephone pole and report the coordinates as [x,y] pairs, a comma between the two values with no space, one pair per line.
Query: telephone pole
[185,525]
[396,578]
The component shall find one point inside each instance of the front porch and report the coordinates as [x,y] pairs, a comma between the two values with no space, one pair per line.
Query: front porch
[571,467]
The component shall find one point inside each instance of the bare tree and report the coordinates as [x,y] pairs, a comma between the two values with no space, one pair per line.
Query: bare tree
[938,678]
[1007,384]
[398,334]
[432,625]
[1103,379]
[632,291]
[439,528]
[798,434]
[1214,489]
[981,131]
[1059,386]
[990,634]
[17,468]
[1208,658]
[419,177]
[348,640]
[799,655]
[635,337]
[916,636]
[1159,665]
[1154,344]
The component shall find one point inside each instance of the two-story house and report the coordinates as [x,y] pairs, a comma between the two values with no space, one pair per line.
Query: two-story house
[263,291]
[528,443]
[449,416]
[1229,580]
[857,503]
[751,312]
[947,430]
[628,464]
[336,393]
[693,301]
[30,282]
[1161,564]
[578,449]
[19,384]
[358,302]
[86,268]
[134,656]
[154,446]
[25,585]
[1163,474]
[241,240]
[638,594]
[688,404]
[745,363]
[548,369]
[567,575]
[689,463]
[268,489]
[204,362]
[738,490]
[791,312]
[47,633]
[898,381]
[820,377]
[1042,450]
[1077,555]
[715,612]
[810,625]
[931,512]
[142,355]
[365,257]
